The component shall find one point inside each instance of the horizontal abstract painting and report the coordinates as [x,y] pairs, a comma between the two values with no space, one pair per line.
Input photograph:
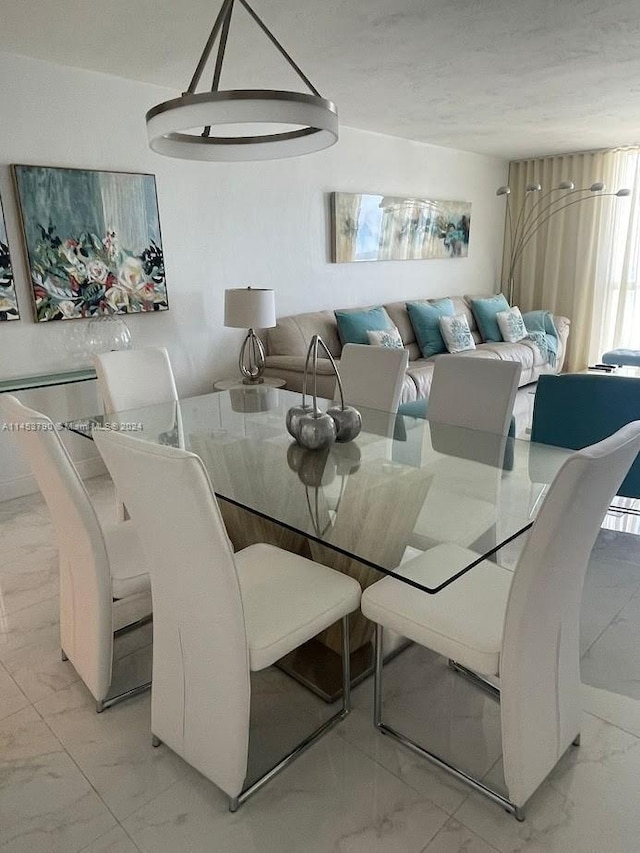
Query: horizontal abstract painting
[93,242]
[8,301]
[393,228]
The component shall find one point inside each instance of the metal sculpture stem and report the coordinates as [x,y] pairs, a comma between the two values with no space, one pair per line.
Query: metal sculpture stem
[304,375]
[312,353]
[335,370]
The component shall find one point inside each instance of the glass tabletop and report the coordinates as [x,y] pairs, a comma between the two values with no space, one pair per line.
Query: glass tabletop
[402,487]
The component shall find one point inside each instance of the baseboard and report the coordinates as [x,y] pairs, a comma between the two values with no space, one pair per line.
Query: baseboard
[22,486]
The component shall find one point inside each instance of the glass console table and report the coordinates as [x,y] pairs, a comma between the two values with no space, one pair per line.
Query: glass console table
[45,380]
[359,506]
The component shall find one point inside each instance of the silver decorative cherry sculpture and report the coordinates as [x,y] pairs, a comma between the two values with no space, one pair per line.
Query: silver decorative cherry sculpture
[312,428]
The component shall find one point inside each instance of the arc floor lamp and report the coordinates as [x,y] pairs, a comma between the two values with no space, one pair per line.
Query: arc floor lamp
[521,228]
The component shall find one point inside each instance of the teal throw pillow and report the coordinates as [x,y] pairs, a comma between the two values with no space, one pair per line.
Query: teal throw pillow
[353,326]
[425,319]
[486,313]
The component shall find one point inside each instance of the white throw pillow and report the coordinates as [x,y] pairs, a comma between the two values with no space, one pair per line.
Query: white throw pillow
[456,333]
[389,338]
[511,325]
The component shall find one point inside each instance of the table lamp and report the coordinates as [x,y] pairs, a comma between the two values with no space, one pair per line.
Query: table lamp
[250,308]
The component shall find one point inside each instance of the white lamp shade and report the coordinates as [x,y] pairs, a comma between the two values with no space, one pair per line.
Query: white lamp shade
[249,308]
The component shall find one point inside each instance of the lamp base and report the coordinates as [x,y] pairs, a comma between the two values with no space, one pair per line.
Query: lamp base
[251,361]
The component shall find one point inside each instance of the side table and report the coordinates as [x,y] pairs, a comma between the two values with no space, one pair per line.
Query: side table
[251,398]
[236,382]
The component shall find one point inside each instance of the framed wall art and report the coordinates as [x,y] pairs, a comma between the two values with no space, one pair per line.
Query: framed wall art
[92,241]
[8,301]
[368,227]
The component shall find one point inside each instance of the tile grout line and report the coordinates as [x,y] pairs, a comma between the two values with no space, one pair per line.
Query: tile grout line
[492,849]
[612,724]
[33,604]
[606,628]
[400,778]
[84,776]
[17,686]
[104,835]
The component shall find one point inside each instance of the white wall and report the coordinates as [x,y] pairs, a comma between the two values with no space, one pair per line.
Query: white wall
[223,225]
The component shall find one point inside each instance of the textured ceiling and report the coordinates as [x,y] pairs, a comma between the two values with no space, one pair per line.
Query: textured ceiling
[502,77]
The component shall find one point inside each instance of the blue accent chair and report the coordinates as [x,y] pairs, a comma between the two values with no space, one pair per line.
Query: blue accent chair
[575,410]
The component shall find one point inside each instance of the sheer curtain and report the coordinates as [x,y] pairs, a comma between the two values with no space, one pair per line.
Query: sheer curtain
[558,270]
[616,319]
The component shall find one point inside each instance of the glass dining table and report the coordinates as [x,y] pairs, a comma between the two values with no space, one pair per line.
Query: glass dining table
[369,507]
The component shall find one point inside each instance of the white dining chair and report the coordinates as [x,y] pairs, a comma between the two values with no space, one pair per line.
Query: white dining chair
[99,564]
[218,616]
[130,379]
[475,394]
[521,627]
[372,376]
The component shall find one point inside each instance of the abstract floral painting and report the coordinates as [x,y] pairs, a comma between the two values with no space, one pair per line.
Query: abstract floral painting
[8,301]
[93,242]
[393,228]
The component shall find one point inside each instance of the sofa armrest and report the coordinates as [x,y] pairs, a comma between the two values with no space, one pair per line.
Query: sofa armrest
[562,325]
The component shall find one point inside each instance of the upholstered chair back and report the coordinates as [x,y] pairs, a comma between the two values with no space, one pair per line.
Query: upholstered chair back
[539,670]
[85,579]
[475,393]
[129,379]
[372,376]
[201,690]
[577,409]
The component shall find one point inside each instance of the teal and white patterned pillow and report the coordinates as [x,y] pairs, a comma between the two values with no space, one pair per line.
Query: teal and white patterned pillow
[456,333]
[511,325]
[389,338]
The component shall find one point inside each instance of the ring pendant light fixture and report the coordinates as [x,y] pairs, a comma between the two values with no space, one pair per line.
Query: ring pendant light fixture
[314,119]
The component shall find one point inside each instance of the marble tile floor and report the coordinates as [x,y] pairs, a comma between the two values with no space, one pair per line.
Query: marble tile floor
[72,780]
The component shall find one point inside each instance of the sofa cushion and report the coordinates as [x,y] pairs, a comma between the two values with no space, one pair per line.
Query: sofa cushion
[425,317]
[525,352]
[354,325]
[296,362]
[461,306]
[421,372]
[397,311]
[292,335]
[486,311]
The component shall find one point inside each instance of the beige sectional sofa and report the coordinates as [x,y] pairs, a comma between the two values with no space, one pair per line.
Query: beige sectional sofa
[286,346]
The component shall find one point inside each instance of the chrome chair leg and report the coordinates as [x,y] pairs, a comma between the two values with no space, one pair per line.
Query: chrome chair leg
[474,783]
[377,677]
[113,700]
[476,679]
[133,625]
[243,796]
